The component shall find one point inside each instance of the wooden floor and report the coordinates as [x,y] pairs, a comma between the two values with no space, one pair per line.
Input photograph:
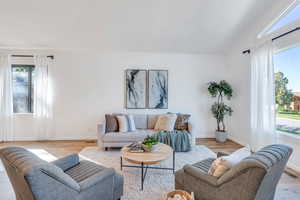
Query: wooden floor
[63,148]
[56,148]
[229,146]
[66,147]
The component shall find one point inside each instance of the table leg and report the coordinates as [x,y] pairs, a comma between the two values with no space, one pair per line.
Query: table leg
[121,163]
[142,175]
[173,162]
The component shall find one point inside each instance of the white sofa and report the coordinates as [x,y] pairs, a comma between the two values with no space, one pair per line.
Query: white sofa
[145,126]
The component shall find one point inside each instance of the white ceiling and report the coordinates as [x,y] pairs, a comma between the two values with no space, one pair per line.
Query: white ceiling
[188,26]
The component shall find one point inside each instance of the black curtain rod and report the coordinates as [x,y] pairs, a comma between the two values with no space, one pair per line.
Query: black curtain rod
[280,36]
[31,56]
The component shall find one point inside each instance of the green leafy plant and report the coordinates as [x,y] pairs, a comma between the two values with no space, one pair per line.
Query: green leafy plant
[219,109]
[283,96]
[21,69]
[149,141]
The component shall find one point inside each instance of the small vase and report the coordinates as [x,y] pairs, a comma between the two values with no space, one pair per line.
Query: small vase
[221,136]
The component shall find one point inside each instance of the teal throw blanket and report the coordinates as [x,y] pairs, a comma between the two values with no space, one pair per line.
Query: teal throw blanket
[178,140]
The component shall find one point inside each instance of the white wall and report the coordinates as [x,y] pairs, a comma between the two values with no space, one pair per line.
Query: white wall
[239,76]
[88,84]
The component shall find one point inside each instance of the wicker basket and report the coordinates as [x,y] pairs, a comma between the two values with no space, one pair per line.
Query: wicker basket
[187,195]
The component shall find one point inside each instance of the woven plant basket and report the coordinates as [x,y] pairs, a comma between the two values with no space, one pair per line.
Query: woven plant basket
[187,195]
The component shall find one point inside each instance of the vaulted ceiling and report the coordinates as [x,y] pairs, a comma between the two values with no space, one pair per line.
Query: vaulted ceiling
[188,26]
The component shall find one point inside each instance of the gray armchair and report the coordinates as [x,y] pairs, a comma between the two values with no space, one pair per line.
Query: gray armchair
[255,178]
[65,179]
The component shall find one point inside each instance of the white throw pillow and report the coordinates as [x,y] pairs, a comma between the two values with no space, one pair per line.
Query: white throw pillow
[131,123]
[166,122]
[224,163]
[237,156]
[126,123]
[123,124]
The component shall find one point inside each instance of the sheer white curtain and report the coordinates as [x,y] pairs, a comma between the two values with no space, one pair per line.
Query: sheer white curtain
[262,96]
[42,102]
[6,101]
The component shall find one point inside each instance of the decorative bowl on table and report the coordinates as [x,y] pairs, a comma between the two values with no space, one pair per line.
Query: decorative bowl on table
[147,148]
[179,195]
[149,142]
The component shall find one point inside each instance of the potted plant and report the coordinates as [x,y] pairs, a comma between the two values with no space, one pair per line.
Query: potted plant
[220,109]
[149,142]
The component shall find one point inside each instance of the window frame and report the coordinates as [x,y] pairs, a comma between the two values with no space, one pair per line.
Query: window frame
[265,32]
[280,133]
[31,68]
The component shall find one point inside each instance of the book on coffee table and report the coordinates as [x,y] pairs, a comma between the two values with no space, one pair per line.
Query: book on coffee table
[136,148]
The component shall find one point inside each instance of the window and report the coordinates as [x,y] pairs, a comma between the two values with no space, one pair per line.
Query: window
[290,17]
[22,76]
[287,17]
[287,90]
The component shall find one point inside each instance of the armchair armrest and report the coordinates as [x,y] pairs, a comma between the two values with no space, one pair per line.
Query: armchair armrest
[67,162]
[56,174]
[195,172]
[101,129]
[96,178]
[100,134]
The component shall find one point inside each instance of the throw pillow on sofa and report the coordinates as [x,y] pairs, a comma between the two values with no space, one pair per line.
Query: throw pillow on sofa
[111,123]
[166,122]
[182,122]
[224,163]
[126,123]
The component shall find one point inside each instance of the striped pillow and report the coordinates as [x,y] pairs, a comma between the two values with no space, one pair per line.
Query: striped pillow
[126,123]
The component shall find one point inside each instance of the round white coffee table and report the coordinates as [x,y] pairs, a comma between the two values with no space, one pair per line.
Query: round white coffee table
[142,160]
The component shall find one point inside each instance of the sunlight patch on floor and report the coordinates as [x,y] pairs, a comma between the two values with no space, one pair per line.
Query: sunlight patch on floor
[43,154]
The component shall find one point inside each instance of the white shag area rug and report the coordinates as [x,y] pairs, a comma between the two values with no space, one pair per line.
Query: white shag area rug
[157,183]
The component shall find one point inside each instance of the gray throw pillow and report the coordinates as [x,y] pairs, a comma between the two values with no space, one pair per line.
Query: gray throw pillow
[111,123]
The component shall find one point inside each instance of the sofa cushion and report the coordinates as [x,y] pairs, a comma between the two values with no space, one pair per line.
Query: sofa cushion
[134,136]
[204,165]
[152,119]
[84,170]
[140,121]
